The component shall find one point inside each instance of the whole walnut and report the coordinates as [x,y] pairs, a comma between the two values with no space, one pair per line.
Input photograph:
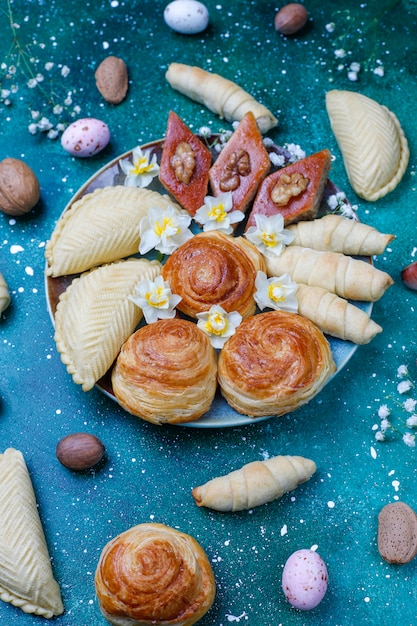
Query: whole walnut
[112,79]
[19,187]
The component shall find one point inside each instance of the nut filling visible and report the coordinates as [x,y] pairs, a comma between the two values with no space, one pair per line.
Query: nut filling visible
[238,165]
[288,186]
[183,162]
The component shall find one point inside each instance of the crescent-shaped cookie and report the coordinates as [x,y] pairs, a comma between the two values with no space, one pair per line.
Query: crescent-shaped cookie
[95,316]
[152,574]
[101,227]
[373,144]
[26,577]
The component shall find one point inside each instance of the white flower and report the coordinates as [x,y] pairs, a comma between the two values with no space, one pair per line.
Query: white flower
[412,421]
[44,124]
[53,133]
[385,424]
[269,234]
[340,53]
[65,71]
[383,411]
[296,153]
[155,299]
[277,159]
[409,405]
[353,76]
[32,82]
[404,386]
[205,131]
[218,324]
[402,371]
[140,171]
[217,214]
[330,27]
[277,292]
[379,71]
[164,229]
[33,129]
[409,440]
[49,65]
[379,436]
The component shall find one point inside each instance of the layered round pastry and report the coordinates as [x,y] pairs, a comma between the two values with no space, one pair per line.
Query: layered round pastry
[166,372]
[214,269]
[153,574]
[273,364]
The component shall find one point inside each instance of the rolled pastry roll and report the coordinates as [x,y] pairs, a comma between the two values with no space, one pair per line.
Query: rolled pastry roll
[254,484]
[218,94]
[349,278]
[273,364]
[166,372]
[339,234]
[214,268]
[154,575]
[336,316]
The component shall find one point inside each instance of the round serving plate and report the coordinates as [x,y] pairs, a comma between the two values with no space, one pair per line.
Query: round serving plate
[220,415]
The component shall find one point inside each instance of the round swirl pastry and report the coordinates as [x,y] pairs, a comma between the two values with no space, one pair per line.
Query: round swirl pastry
[274,363]
[153,574]
[214,268]
[166,372]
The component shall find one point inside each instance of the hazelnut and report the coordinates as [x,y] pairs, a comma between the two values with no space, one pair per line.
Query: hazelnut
[291,18]
[80,451]
[409,276]
[19,187]
[112,79]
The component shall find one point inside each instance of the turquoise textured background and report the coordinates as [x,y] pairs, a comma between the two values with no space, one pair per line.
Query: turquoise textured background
[149,471]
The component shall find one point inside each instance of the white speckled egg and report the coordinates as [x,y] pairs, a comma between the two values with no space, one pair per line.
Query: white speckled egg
[85,137]
[304,579]
[187,17]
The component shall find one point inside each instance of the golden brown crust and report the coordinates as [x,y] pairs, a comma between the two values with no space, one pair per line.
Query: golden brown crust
[166,372]
[274,363]
[153,574]
[214,268]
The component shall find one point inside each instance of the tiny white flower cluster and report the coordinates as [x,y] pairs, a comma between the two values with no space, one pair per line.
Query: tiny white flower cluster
[408,406]
[339,205]
[22,69]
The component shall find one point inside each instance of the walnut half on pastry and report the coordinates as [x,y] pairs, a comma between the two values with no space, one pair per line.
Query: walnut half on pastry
[152,574]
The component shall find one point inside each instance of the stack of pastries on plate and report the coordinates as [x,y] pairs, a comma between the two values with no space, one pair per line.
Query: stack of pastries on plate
[167,371]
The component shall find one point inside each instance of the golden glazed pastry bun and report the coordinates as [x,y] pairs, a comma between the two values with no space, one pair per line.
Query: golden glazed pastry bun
[166,372]
[214,269]
[273,364]
[154,575]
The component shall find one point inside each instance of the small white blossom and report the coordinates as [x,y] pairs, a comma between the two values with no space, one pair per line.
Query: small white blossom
[5,93]
[277,159]
[77,109]
[409,440]
[412,421]
[58,108]
[353,76]
[205,131]
[32,82]
[340,53]
[379,71]
[141,170]
[296,153]
[218,324]
[33,129]
[385,424]
[409,405]
[330,27]
[39,78]
[355,67]
[404,386]
[217,213]
[155,299]
[402,371]
[277,292]
[49,66]
[383,411]
[268,142]
[68,101]
[164,229]
[379,436]
[44,124]
[53,133]
[65,70]
[269,234]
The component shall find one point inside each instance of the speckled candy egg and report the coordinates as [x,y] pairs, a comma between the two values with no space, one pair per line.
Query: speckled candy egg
[85,137]
[186,16]
[304,579]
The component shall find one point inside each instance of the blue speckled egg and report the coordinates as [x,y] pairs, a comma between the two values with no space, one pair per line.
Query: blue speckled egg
[187,17]
[304,579]
[85,137]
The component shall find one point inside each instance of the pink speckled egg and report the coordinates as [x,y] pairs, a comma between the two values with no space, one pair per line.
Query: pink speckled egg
[304,579]
[85,137]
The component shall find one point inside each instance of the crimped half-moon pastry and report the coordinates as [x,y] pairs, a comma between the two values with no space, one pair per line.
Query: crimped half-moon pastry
[373,144]
[26,577]
[274,363]
[154,575]
[339,234]
[166,372]
[343,275]
[95,316]
[254,484]
[101,227]
[214,268]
